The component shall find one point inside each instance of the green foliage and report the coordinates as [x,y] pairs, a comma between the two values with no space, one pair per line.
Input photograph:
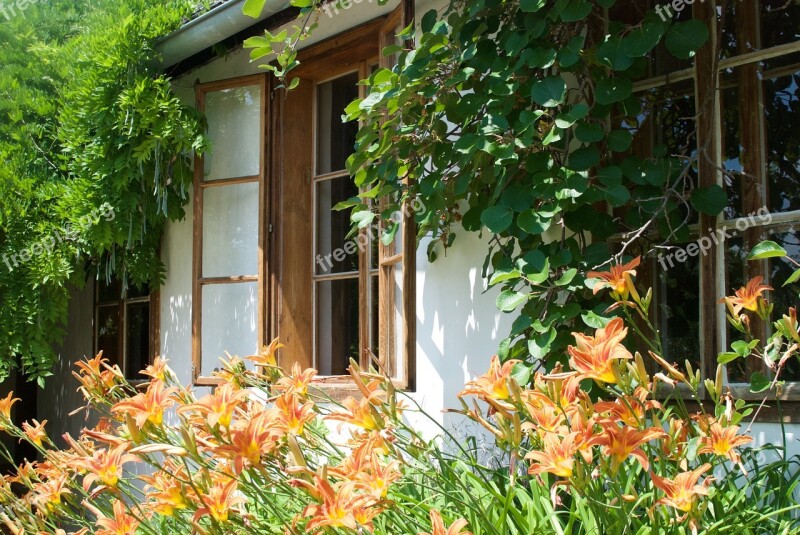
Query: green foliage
[96,155]
[515,119]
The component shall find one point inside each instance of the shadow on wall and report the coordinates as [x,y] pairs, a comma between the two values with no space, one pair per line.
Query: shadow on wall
[60,395]
[458,327]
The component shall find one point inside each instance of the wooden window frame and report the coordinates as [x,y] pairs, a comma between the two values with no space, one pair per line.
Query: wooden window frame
[705,71]
[322,62]
[154,327]
[200,186]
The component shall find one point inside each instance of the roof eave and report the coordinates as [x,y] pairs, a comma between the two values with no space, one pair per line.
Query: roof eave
[211,28]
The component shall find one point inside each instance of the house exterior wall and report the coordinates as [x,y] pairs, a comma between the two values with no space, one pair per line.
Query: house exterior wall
[60,395]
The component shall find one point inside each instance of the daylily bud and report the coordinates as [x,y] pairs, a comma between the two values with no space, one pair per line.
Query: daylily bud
[709,384]
[641,370]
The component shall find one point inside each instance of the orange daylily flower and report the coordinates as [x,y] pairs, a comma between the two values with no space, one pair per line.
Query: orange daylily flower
[359,413]
[267,358]
[557,456]
[563,388]
[250,441]
[621,442]
[219,500]
[297,382]
[339,508]
[148,406]
[630,410]
[747,297]
[723,441]
[219,406]
[106,466]
[438,528]
[158,370]
[547,417]
[47,495]
[36,432]
[292,414]
[121,524]
[594,356]
[374,477]
[681,493]
[5,409]
[166,492]
[618,278]
[97,376]
[493,386]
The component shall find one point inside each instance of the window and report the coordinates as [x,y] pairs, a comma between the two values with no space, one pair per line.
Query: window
[228,301]
[272,255]
[126,327]
[738,108]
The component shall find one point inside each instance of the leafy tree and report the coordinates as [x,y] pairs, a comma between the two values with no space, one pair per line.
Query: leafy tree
[96,159]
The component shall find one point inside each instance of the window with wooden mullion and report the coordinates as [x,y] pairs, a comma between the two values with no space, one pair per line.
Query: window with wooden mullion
[229,235]
[126,327]
[760,93]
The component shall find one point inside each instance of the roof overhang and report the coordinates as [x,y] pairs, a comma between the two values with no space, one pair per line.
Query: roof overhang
[211,28]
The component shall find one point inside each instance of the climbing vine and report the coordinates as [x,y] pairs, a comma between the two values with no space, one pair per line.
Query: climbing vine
[516,119]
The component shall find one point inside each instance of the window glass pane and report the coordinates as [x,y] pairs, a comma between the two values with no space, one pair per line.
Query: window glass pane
[135,292]
[335,140]
[779,19]
[665,125]
[108,333]
[398,322]
[745,180]
[230,230]
[337,325]
[137,339]
[780,269]
[229,322]
[234,129]
[108,293]
[678,305]
[782,125]
[335,252]
[780,22]
[374,323]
